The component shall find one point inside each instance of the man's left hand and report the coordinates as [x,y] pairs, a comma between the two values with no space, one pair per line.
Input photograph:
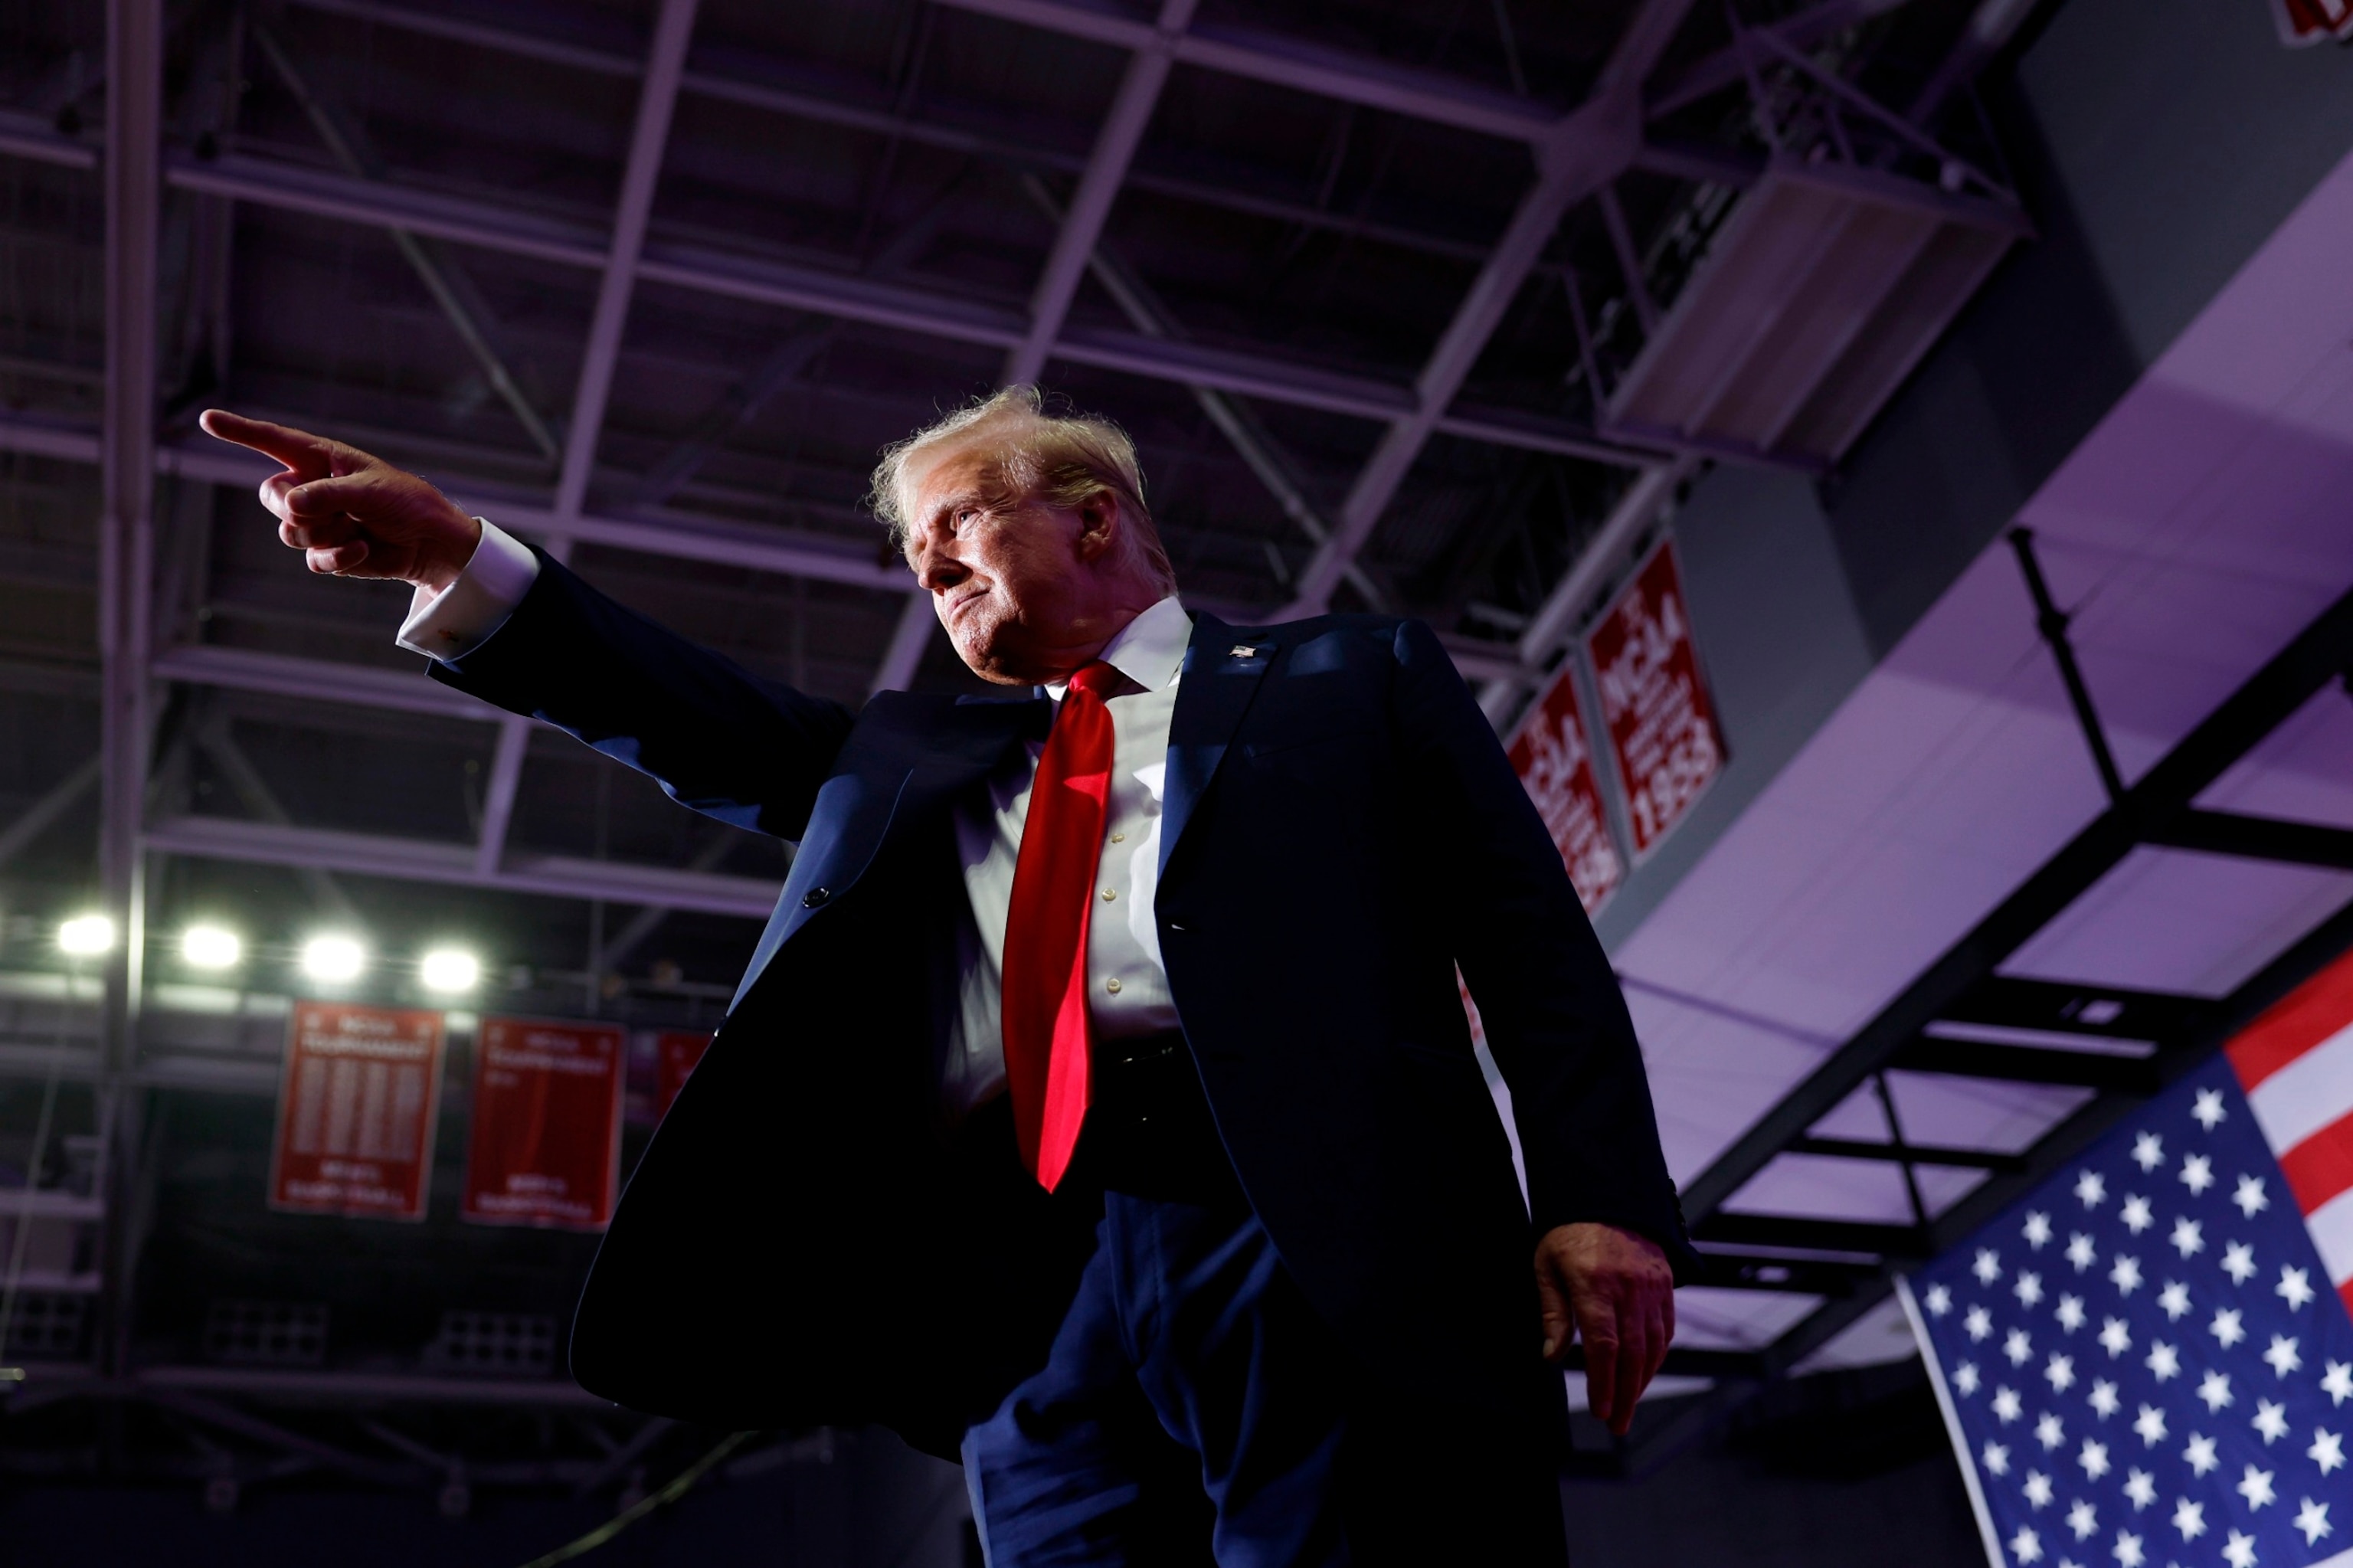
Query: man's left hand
[1614,1290]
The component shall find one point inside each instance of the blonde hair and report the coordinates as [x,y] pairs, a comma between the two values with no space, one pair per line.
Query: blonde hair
[1029,454]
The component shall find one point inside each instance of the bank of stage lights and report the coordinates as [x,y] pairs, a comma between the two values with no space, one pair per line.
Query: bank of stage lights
[331,958]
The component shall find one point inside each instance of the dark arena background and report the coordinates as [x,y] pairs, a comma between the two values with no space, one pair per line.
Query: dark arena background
[1887,465]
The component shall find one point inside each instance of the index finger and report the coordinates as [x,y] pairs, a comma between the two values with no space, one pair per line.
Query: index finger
[298,449]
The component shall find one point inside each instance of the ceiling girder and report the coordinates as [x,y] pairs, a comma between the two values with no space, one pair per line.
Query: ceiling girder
[1579,154]
[1908,1153]
[573,242]
[1091,203]
[426,860]
[2028,1064]
[1964,987]
[2316,656]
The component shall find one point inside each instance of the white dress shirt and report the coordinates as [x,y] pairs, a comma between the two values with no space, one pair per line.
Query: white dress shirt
[1126,979]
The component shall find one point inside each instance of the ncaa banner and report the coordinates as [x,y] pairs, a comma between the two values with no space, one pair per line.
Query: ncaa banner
[1555,762]
[546,1141]
[1655,705]
[2148,1360]
[358,1093]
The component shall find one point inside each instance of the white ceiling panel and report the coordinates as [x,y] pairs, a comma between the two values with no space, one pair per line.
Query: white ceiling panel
[1710,1318]
[2174,920]
[2303,770]
[1980,1113]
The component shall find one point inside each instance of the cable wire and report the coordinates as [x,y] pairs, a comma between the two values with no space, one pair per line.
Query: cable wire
[676,1488]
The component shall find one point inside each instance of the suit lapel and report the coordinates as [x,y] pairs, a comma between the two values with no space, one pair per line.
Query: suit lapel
[891,782]
[1223,670]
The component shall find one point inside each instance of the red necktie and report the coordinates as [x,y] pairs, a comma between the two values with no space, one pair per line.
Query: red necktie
[1046,1017]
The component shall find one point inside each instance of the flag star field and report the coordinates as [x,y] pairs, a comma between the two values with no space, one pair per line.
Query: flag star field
[2146,1361]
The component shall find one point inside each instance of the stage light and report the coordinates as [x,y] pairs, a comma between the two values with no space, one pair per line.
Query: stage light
[449,968]
[334,958]
[86,936]
[210,948]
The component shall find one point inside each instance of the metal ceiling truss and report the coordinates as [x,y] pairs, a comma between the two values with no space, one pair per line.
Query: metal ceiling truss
[1963,1017]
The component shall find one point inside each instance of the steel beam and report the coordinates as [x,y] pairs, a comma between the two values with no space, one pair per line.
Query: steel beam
[1114,149]
[442,276]
[246,779]
[37,818]
[419,860]
[686,536]
[1233,420]
[1990,26]
[795,103]
[1724,69]
[134,190]
[315,680]
[2316,656]
[567,241]
[1846,1238]
[646,921]
[2028,1064]
[131,177]
[740,406]
[1298,66]
[1908,1153]
[500,790]
[1555,620]
[649,140]
[1583,153]
[908,639]
[2253,838]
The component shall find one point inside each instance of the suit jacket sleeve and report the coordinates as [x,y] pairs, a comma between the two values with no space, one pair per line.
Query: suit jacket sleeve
[1547,998]
[749,751]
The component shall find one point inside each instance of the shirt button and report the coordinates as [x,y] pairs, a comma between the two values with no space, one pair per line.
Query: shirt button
[1119,838]
[1110,894]
[1111,985]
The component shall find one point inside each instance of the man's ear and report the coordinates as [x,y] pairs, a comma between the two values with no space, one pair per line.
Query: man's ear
[1099,525]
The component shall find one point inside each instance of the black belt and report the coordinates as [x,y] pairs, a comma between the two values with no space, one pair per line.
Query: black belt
[1148,1130]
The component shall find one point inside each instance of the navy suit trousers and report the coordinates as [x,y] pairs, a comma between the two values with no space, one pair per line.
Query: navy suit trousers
[1196,1410]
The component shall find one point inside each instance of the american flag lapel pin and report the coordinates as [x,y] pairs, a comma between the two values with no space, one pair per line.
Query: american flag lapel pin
[1244,650]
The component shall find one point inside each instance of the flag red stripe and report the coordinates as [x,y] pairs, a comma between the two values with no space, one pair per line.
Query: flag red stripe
[2299,1020]
[2320,1167]
[2346,1290]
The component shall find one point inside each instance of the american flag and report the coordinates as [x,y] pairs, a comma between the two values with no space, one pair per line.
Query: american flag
[2147,1362]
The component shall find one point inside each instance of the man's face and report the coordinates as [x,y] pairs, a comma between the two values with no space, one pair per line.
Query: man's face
[1013,581]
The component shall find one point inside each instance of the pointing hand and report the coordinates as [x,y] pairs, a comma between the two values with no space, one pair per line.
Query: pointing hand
[352,515]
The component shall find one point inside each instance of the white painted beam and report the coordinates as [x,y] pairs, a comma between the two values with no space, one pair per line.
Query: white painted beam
[1586,151]
[1114,150]
[421,860]
[132,179]
[649,140]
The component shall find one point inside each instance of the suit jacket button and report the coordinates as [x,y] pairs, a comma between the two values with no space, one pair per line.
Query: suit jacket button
[815,897]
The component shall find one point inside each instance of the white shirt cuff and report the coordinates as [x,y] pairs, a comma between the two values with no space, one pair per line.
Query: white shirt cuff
[460,619]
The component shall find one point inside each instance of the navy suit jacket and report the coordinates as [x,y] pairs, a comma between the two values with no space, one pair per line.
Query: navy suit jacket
[808,1241]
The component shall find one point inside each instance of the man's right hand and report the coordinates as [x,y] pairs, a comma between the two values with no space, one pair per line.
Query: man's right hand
[352,515]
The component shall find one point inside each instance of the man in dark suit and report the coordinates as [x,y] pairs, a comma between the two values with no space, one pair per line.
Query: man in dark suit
[1099,1103]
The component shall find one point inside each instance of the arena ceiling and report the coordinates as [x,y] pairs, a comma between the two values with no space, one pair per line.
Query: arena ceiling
[653,283]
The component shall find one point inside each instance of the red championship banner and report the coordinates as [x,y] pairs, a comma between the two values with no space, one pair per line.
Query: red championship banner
[1654,703]
[1550,754]
[547,1124]
[675,1056]
[357,1094]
